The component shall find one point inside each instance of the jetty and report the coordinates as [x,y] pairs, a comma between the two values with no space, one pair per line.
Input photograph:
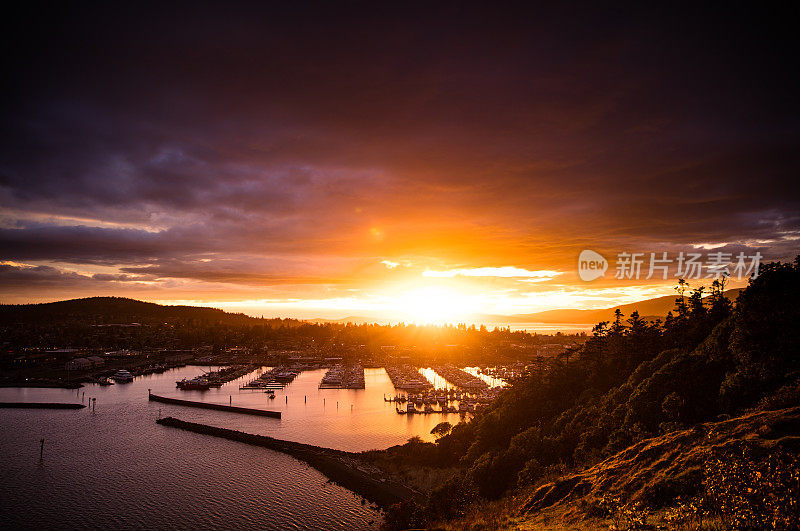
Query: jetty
[347,469]
[217,407]
[40,405]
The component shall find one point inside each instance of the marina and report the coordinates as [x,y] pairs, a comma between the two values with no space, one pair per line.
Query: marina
[93,460]
[84,450]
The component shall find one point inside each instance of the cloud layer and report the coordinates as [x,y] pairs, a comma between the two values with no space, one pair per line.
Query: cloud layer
[292,150]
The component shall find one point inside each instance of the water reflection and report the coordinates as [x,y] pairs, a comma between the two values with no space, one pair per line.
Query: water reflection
[436,380]
[490,380]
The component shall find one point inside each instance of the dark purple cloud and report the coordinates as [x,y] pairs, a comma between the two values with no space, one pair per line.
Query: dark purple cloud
[228,143]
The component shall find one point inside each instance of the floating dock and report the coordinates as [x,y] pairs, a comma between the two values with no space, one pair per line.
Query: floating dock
[274,379]
[40,405]
[460,378]
[217,407]
[343,377]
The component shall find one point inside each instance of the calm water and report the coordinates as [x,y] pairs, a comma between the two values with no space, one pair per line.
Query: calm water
[115,467]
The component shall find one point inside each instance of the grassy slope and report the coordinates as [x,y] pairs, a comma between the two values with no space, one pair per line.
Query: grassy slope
[670,464]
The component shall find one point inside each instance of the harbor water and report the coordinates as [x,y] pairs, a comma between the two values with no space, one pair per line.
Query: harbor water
[111,465]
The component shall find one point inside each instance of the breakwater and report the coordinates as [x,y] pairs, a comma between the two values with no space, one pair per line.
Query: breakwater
[343,468]
[56,384]
[217,407]
[40,405]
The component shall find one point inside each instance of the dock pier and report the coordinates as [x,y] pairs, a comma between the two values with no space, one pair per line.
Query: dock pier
[40,405]
[217,407]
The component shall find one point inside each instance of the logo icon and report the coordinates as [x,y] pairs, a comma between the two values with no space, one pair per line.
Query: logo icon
[591,265]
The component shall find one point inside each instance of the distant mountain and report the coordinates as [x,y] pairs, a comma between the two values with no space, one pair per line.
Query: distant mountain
[650,308]
[118,310]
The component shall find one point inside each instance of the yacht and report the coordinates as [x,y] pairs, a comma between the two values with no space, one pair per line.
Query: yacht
[197,384]
[122,376]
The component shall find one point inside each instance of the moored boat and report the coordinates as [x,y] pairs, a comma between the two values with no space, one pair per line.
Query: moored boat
[195,384]
[122,376]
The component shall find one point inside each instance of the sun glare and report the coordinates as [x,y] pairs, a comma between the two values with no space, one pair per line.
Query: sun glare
[434,305]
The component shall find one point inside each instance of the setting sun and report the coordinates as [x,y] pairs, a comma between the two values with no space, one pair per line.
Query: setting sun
[435,305]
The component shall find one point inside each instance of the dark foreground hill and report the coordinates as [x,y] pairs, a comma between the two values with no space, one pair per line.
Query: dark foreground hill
[678,480]
[697,465]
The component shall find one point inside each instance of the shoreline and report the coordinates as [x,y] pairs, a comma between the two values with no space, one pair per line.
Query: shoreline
[347,469]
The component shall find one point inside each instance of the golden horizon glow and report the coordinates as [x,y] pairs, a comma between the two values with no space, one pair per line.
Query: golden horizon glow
[435,303]
[391,290]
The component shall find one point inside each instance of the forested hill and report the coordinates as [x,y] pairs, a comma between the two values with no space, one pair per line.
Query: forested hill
[118,310]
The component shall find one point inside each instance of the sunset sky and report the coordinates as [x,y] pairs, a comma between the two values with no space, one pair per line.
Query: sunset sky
[398,162]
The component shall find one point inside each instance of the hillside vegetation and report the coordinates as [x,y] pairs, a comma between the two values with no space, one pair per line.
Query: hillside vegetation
[637,392]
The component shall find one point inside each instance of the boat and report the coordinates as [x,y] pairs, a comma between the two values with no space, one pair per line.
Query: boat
[195,384]
[105,381]
[122,376]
